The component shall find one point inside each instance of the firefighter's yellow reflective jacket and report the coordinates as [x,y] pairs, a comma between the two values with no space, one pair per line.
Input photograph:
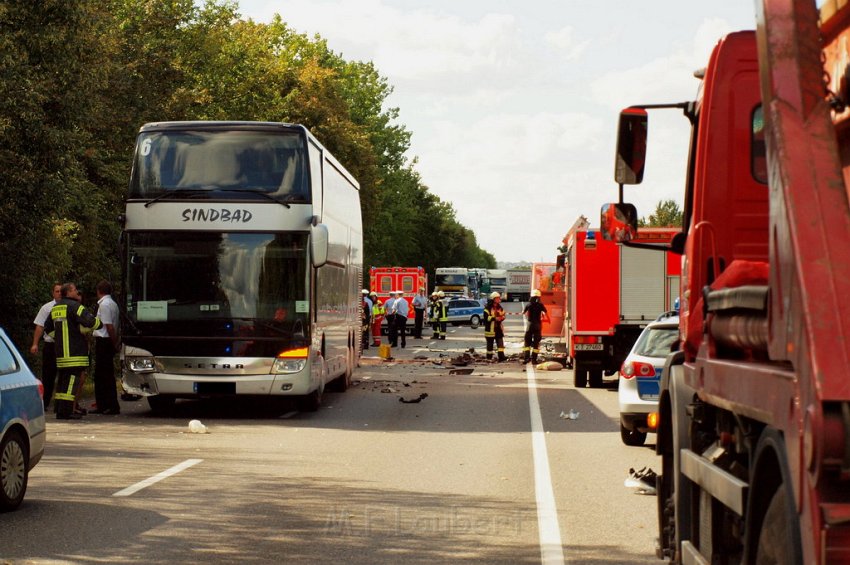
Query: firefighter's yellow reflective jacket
[65,322]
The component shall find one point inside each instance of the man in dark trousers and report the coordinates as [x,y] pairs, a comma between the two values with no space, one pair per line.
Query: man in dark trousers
[105,347]
[48,352]
[535,312]
[494,333]
[72,350]
[419,305]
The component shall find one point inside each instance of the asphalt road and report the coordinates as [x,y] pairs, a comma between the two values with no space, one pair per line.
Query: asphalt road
[484,469]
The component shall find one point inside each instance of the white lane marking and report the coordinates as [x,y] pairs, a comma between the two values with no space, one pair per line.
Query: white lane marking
[156,478]
[551,548]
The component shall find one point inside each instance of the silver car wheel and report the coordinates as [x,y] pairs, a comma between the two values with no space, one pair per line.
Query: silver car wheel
[13,471]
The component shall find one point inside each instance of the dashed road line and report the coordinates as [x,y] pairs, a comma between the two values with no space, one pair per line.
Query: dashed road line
[156,478]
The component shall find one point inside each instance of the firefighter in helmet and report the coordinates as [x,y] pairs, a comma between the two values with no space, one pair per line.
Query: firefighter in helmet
[378,313]
[535,312]
[494,315]
[443,311]
[66,318]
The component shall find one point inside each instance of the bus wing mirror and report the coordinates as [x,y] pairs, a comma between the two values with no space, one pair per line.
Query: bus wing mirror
[319,245]
[631,146]
[618,221]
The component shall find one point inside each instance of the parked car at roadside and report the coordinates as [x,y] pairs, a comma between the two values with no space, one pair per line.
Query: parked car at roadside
[22,425]
[465,311]
[640,377]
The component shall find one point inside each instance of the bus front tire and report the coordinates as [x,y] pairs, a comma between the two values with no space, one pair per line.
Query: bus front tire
[309,402]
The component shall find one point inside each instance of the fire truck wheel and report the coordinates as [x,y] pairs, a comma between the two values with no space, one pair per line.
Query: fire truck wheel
[596,378]
[580,378]
[775,547]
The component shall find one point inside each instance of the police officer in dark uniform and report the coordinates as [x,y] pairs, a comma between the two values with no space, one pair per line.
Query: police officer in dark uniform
[535,312]
[72,350]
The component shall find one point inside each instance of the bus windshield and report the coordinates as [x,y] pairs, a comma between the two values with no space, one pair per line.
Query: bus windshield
[204,163]
[244,289]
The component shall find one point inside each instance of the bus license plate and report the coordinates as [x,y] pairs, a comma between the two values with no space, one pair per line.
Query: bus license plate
[589,346]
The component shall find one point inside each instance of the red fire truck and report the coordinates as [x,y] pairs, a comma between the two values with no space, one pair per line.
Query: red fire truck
[754,431]
[409,280]
[612,292]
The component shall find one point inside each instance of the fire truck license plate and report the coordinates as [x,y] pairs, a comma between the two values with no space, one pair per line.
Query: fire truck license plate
[589,346]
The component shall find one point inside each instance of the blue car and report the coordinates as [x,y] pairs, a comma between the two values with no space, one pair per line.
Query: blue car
[465,311]
[22,431]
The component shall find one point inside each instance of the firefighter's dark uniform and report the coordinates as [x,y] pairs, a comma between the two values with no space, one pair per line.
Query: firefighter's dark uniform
[439,317]
[534,310]
[494,314]
[72,350]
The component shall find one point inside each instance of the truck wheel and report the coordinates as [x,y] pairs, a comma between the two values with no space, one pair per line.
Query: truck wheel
[775,539]
[580,378]
[596,378]
[634,438]
[309,402]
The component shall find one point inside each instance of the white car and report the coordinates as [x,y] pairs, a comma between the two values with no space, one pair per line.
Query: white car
[640,377]
[22,426]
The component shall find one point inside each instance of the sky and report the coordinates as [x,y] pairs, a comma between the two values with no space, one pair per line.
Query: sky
[513,105]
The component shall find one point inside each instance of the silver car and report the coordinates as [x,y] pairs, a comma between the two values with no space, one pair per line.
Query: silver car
[640,378]
[22,431]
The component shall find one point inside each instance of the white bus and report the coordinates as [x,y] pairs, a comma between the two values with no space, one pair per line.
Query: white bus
[243,253]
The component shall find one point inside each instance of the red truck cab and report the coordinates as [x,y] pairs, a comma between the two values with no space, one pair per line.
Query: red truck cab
[754,430]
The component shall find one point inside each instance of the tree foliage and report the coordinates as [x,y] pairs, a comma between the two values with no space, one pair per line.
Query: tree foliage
[81,76]
[667,214]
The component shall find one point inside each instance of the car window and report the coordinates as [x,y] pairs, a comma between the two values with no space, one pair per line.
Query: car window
[656,342]
[8,363]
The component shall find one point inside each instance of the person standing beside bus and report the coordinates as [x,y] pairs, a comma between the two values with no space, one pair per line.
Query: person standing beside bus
[105,347]
[377,318]
[365,319]
[72,351]
[535,312]
[494,315]
[48,352]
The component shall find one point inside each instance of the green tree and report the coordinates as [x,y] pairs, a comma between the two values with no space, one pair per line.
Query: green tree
[667,214]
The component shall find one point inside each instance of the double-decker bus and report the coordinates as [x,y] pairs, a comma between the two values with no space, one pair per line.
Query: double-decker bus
[242,250]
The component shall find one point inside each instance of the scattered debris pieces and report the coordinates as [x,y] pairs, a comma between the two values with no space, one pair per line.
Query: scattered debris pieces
[421,397]
[196,427]
[461,371]
[571,415]
[549,366]
[462,360]
[388,390]
[642,481]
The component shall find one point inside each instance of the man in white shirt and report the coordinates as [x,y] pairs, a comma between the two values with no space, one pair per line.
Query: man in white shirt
[48,352]
[105,346]
[401,309]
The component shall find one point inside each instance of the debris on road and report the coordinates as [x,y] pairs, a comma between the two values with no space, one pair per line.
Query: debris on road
[571,415]
[549,366]
[642,481]
[196,427]
[421,397]
[461,371]
[388,390]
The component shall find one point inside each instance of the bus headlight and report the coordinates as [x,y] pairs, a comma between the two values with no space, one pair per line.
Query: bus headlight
[141,364]
[291,361]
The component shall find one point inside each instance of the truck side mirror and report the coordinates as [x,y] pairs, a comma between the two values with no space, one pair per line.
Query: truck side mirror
[631,146]
[618,221]
[319,245]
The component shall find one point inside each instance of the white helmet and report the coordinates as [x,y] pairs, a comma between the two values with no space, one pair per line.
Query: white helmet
[535,292]
[441,294]
[494,295]
[366,292]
